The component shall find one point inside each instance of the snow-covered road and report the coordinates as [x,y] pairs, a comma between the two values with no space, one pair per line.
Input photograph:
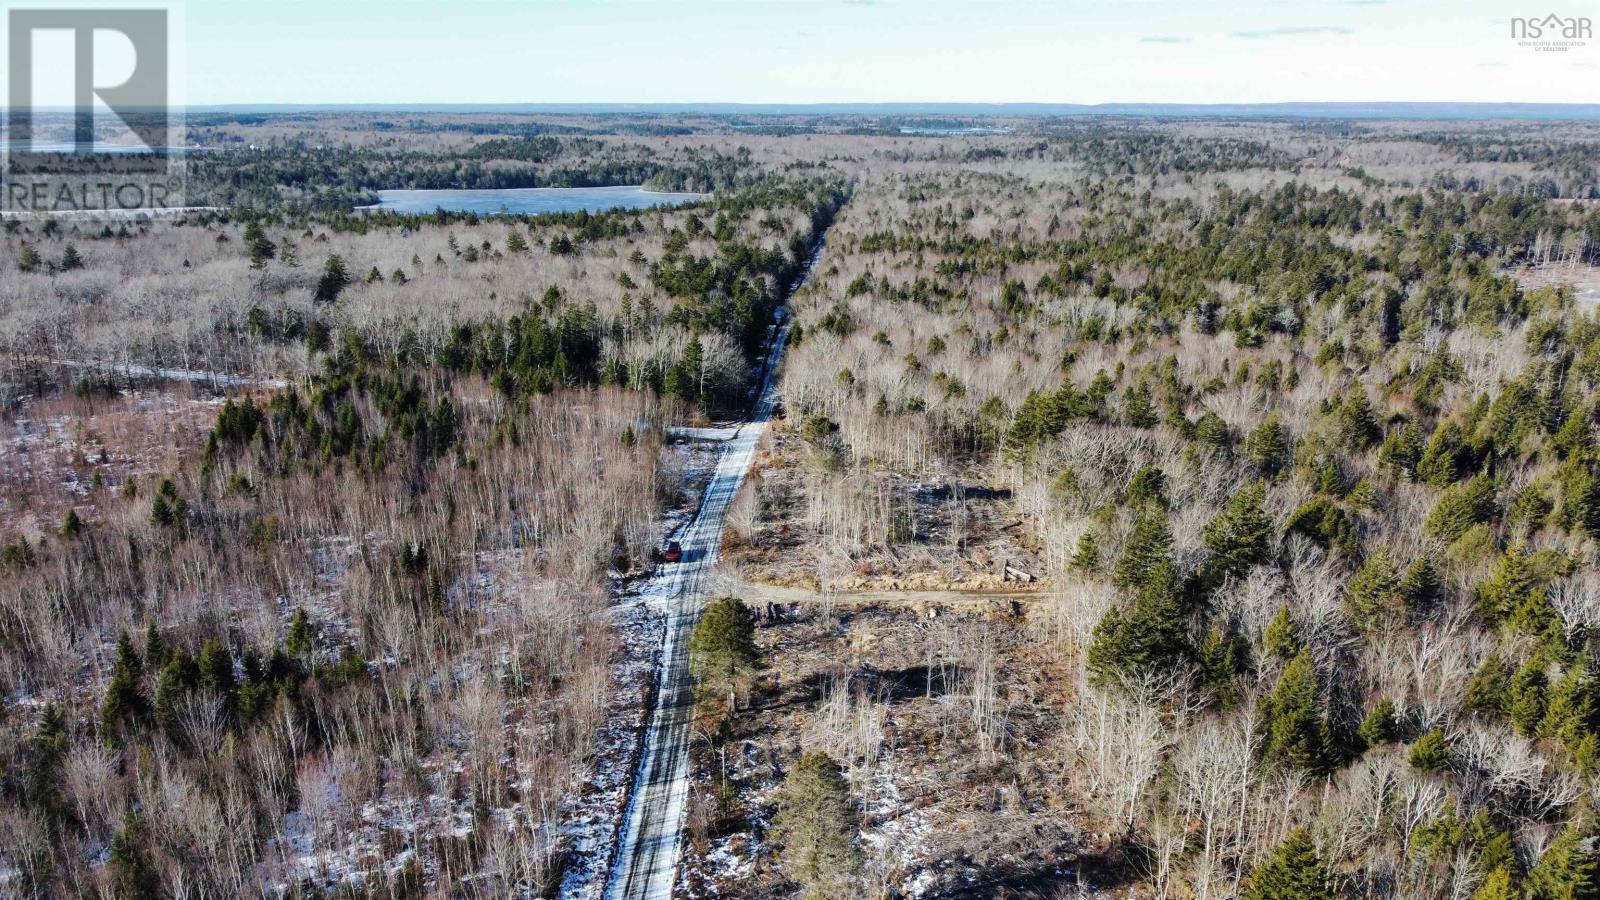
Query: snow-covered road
[647,851]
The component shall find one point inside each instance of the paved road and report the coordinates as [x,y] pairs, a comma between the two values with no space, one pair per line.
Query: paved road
[647,851]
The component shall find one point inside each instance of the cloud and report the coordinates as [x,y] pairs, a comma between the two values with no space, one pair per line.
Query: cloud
[1292,31]
[1163,39]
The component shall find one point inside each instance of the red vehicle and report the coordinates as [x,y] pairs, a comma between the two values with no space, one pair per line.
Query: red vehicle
[673,553]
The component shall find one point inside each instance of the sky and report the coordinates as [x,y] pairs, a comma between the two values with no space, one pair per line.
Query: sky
[860,51]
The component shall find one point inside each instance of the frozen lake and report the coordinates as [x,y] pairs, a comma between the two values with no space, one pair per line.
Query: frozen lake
[530,201]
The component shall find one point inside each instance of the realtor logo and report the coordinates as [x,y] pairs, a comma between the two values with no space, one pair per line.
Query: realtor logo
[1552,33]
[90,121]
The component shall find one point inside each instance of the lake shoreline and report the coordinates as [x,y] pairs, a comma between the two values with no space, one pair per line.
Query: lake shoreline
[529,201]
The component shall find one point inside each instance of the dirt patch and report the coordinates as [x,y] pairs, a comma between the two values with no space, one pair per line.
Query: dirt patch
[947,728]
[1585,280]
[77,452]
[800,524]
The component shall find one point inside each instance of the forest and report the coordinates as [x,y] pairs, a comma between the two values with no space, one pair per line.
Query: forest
[1178,509]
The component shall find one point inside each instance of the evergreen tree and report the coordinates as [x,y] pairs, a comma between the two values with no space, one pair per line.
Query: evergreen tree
[1087,557]
[70,259]
[1297,733]
[1572,711]
[1567,870]
[1211,430]
[1240,536]
[1527,696]
[1440,462]
[335,278]
[1497,886]
[1137,408]
[216,668]
[1148,485]
[515,242]
[124,699]
[1283,635]
[168,510]
[816,827]
[1486,693]
[1294,871]
[1149,545]
[155,649]
[28,258]
[1402,449]
[302,639]
[722,649]
[1430,753]
[1508,587]
[260,249]
[1267,447]
[1374,591]
[49,750]
[1381,725]
[71,526]
[1148,638]
[1358,424]
[1460,507]
[177,679]
[132,877]
[1421,587]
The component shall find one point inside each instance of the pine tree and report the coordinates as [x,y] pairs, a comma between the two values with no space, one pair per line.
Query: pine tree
[1148,485]
[132,877]
[722,649]
[48,749]
[1240,536]
[70,259]
[1211,430]
[1567,870]
[1267,447]
[1283,635]
[177,679]
[1497,886]
[1149,545]
[1421,587]
[335,278]
[515,242]
[1297,734]
[1495,848]
[1508,587]
[816,827]
[1381,726]
[1148,638]
[260,249]
[1430,753]
[1087,557]
[1460,507]
[1358,424]
[1486,693]
[1137,408]
[1528,696]
[1294,871]
[1402,449]
[301,640]
[28,258]
[71,526]
[124,699]
[155,649]
[1440,463]
[1374,591]
[1572,711]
